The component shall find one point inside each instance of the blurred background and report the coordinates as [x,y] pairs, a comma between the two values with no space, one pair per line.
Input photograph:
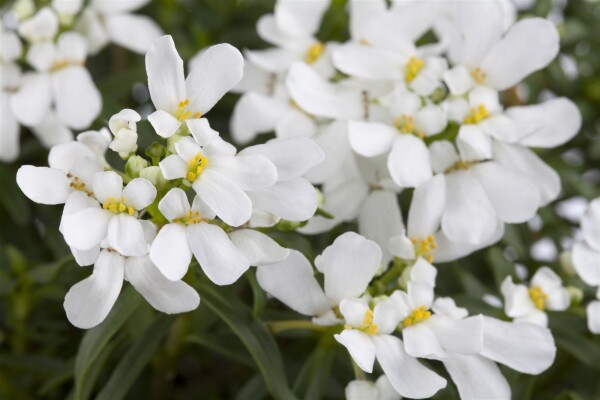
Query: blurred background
[206,354]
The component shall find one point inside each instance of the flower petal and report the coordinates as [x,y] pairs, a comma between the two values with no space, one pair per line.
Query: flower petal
[360,347]
[164,123]
[125,235]
[258,248]
[477,377]
[32,101]
[170,252]
[139,193]
[173,167]
[421,342]
[253,114]
[248,172]
[408,161]
[77,99]
[426,208]
[174,204]
[587,263]
[87,228]
[590,224]
[165,75]
[294,200]
[107,185]
[371,139]
[131,31]
[593,315]
[43,185]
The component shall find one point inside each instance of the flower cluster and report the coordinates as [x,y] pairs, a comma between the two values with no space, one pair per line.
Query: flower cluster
[44,83]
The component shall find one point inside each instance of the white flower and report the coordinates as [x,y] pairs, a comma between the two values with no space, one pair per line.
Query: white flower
[123,126]
[218,176]
[176,99]
[41,27]
[292,197]
[367,390]
[593,314]
[115,218]
[586,253]
[10,79]
[88,302]
[188,232]
[408,160]
[104,21]
[482,55]
[527,304]
[61,79]
[348,266]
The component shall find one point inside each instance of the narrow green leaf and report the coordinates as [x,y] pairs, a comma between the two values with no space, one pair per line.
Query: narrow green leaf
[254,335]
[259,296]
[501,267]
[136,358]
[585,350]
[254,389]
[223,345]
[95,340]
[312,379]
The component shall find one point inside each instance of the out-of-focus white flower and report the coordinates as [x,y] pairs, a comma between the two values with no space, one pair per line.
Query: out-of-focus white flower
[88,302]
[104,21]
[217,174]
[114,216]
[10,80]
[348,266]
[41,27]
[381,389]
[123,126]
[177,99]
[586,253]
[593,314]
[527,304]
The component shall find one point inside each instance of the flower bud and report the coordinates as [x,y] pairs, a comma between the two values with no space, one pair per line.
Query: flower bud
[134,166]
[154,175]
[23,9]
[566,262]
[575,294]
[124,143]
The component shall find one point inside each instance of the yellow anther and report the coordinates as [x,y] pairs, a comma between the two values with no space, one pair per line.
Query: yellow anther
[195,167]
[372,329]
[368,318]
[191,217]
[477,114]
[405,123]
[130,210]
[314,52]
[61,64]
[347,326]
[417,315]
[478,75]
[118,206]
[182,112]
[412,68]
[461,165]
[538,297]
[424,247]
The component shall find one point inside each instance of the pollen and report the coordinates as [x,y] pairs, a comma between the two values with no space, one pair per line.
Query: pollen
[190,218]
[118,206]
[425,247]
[77,184]
[314,52]
[182,112]
[195,167]
[538,297]
[406,124]
[416,316]
[478,75]
[368,326]
[477,114]
[412,68]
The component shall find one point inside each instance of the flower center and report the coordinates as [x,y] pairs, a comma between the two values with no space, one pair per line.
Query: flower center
[477,114]
[412,68]
[424,247]
[314,52]
[182,112]
[416,316]
[367,326]
[61,64]
[190,218]
[195,167]
[406,124]
[117,206]
[478,75]
[77,184]
[538,297]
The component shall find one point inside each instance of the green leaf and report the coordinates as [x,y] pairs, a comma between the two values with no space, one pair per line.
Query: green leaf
[223,345]
[259,296]
[585,350]
[136,358]
[501,267]
[254,389]
[15,202]
[312,379]
[254,335]
[94,342]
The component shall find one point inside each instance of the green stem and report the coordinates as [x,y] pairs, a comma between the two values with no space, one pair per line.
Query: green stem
[281,326]
[359,374]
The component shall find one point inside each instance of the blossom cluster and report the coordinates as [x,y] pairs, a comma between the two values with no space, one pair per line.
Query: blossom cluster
[413,103]
[44,83]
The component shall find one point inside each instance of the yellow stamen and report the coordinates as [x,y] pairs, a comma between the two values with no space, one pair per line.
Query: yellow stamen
[182,112]
[417,315]
[412,68]
[195,167]
[314,52]
[61,64]
[118,206]
[478,75]
[538,296]
[78,185]
[191,217]
[424,247]
[406,124]
[477,114]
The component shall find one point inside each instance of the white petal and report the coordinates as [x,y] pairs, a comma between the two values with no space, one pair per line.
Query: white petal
[173,167]
[139,193]
[253,114]
[32,101]
[162,294]
[371,139]
[386,317]
[530,45]
[88,302]
[408,161]
[517,302]
[409,377]
[107,185]
[448,250]
[593,315]
[174,204]
[463,336]
[459,80]
[333,140]
[513,197]
[294,200]
[367,62]
[125,235]
[86,257]
[469,216]
[524,347]
[133,32]
[349,264]
[201,131]
[77,100]
[558,299]
[165,75]
[43,185]
[354,311]
[420,341]
[51,131]
[201,207]
[473,144]
[274,60]
[431,120]
[360,347]
[590,224]
[420,294]
[225,198]
[445,306]
[546,279]
[216,71]
[293,157]
[423,272]
[257,247]
[587,263]
[170,251]
[220,260]
[86,229]
[295,123]
[442,155]
[477,377]
[248,172]
[164,123]
[9,137]
[426,208]
[110,7]
[64,156]
[292,282]
[300,18]
[402,247]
